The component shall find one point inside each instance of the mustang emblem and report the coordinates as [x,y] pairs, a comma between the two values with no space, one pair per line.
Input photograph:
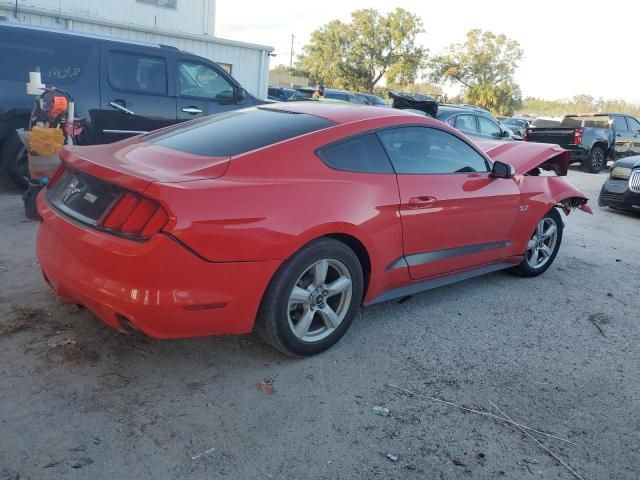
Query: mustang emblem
[71,190]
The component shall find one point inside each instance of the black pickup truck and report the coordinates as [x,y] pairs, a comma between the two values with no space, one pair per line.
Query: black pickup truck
[592,139]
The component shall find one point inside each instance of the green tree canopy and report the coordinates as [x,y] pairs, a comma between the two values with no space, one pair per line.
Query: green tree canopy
[357,55]
[484,65]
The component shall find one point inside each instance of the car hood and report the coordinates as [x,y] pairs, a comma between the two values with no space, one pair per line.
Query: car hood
[135,164]
[525,156]
[629,162]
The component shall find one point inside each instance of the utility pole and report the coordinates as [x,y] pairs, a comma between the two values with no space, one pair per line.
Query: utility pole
[291,57]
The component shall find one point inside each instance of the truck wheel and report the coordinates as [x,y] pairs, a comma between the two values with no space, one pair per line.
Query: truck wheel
[15,162]
[596,161]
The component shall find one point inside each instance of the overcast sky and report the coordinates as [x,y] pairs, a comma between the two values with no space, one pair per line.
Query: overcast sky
[570,47]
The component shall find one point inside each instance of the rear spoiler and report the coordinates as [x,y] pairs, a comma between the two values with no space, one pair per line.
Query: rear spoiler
[404,101]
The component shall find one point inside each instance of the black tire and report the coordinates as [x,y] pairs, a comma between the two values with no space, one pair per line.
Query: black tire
[273,320]
[525,269]
[14,161]
[596,161]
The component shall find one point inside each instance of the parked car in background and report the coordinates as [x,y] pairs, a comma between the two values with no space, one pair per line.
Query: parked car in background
[205,210]
[622,188]
[474,122]
[592,139]
[306,93]
[280,94]
[372,100]
[517,125]
[121,88]
[546,122]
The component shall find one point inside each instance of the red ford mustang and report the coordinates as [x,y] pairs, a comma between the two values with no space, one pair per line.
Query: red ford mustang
[287,218]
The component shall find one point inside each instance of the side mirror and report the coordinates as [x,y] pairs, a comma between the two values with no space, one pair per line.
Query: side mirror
[502,170]
[505,133]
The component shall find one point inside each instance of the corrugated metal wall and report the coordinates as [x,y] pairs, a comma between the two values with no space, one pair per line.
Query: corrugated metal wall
[190,16]
[250,65]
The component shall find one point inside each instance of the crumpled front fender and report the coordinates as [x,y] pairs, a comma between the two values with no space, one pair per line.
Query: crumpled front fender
[566,196]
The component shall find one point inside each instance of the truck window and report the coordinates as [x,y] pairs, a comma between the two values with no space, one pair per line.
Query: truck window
[61,58]
[137,73]
[200,80]
[634,125]
[619,123]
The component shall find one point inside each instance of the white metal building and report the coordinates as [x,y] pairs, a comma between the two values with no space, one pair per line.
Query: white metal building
[186,24]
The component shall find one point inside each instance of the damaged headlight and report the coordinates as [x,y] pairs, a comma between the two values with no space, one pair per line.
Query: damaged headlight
[622,173]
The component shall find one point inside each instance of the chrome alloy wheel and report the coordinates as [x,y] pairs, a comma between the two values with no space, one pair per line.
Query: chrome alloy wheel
[320,300]
[542,244]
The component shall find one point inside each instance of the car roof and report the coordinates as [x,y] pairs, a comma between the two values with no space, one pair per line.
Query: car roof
[340,112]
[73,33]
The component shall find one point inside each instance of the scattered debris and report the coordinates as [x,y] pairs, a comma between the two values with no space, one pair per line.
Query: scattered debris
[266,387]
[597,319]
[206,452]
[83,462]
[530,460]
[484,414]
[22,318]
[481,456]
[609,294]
[68,351]
[53,464]
[382,411]
[458,462]
[555,457]
[392,457]
[618,260]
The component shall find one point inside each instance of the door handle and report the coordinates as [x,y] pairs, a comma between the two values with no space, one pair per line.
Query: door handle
[120,106]
[191,110]
[422,202]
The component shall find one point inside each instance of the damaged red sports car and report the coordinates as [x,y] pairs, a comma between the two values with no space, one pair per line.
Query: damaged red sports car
[287,218]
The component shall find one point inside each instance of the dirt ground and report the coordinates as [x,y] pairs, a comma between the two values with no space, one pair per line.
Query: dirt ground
[558,353]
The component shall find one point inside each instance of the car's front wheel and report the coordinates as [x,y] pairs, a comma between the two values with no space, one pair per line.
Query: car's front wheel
[312,299]
[543,246]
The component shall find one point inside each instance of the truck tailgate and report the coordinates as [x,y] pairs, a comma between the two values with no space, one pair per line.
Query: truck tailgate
[558,136]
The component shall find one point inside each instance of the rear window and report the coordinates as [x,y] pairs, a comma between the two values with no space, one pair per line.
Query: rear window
[61,58]
[238,131]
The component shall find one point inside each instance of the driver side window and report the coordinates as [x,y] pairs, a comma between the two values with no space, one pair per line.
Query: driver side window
[423,150]
[199,80]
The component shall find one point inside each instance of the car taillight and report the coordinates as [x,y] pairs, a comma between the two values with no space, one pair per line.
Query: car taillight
[134,216]
[577,136]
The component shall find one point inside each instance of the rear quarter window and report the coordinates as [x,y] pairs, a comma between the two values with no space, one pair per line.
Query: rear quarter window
[361,154]
[238,131]
[61,58]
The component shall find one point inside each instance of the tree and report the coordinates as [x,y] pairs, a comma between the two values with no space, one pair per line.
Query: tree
[357,55]
[484,65]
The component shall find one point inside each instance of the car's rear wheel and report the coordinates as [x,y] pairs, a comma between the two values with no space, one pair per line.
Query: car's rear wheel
[543,246]
[596,161]
[311,301]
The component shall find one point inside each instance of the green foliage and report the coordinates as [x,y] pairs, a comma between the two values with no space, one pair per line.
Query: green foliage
[577,104]
[484,65]
[357,55]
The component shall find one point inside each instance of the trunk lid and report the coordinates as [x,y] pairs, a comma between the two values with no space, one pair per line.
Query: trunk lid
[525,156]
[134,164]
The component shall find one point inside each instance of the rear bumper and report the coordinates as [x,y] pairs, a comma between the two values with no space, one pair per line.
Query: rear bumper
[615,193]
[158,287]
[577,154]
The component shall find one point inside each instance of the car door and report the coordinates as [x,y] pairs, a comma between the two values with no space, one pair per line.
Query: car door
[454,215]
[136,92]
[205,89]
[623,137]
[489,129]
[634,128]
